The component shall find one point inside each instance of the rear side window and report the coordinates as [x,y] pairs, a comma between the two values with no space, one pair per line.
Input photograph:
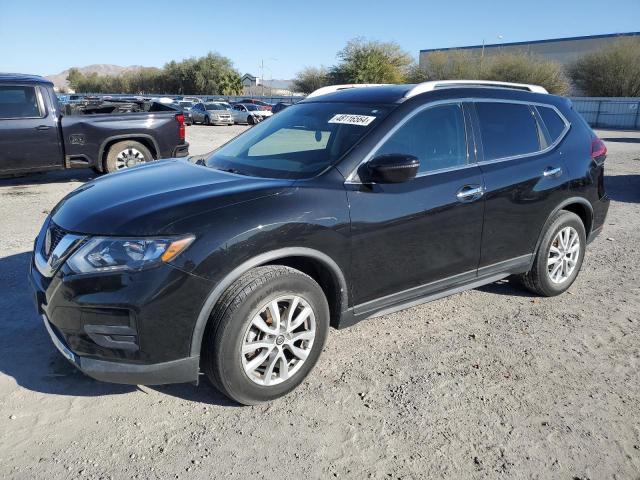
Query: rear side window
[436,136]
[507,129]
[555,125]
[18,102]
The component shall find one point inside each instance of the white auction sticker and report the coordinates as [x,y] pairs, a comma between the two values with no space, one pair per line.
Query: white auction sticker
[351,119]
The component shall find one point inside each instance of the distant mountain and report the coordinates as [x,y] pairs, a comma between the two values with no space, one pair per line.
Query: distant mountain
[60,79]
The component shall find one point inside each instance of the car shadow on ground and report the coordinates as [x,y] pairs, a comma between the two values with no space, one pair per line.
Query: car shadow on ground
[510,287]
[57,176]
[29,357]
[623,188]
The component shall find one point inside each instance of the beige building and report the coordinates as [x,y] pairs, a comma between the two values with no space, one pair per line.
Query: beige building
[562,50]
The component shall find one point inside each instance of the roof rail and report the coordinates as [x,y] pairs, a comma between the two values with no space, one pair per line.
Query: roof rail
[335,88]
[436,84]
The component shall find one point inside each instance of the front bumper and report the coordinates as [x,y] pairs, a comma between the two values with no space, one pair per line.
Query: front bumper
[177,371]
[132,328]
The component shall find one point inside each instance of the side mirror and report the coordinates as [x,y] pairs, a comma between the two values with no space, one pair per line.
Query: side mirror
[390,168]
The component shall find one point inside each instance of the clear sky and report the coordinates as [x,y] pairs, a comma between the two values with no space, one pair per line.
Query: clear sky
[46,37]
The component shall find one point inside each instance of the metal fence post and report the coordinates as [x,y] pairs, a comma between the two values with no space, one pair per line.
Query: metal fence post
[635,122]
[596,124]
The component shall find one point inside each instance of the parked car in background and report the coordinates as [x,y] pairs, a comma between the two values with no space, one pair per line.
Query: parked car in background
[36,136]
[278,107]
[192,99]
[260,103]
[185,107]
[249,113]
[212,113]
[237,262]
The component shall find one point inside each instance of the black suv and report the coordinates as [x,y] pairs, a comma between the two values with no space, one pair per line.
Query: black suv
[357,202]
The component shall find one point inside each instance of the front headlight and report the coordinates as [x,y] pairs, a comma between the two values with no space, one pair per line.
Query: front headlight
[108,254]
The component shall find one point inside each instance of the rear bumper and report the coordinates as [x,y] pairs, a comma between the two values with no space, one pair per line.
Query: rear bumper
[181,151]
[600,210]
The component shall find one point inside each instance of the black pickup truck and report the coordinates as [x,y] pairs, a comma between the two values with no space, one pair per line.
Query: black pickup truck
[36,136]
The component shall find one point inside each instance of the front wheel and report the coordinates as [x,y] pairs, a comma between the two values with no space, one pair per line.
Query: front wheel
[207,121]
[251,120]
[559,256]
[265,334]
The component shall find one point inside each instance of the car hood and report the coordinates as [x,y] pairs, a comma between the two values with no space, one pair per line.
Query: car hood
[149,199]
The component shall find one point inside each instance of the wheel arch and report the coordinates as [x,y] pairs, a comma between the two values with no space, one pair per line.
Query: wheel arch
[145,139]
[578,205]
[319,266]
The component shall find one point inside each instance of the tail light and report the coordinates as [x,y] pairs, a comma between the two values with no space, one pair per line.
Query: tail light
[180,120]
[598,150]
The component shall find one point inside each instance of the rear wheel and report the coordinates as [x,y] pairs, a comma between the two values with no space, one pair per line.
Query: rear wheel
[125,154]
[265,334]
[559,256]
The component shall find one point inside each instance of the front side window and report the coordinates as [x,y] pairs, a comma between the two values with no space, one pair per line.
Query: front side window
[299,142]
[19,102]
[507,129]
[436,136]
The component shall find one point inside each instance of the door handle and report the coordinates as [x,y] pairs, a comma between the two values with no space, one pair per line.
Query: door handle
[43,127]
[552,172]
[469,193]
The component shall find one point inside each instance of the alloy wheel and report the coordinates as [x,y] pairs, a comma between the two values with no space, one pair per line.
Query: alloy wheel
[564,253]
[278,340]
[129,157]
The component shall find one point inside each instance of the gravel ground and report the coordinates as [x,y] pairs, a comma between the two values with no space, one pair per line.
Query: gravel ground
[489,383]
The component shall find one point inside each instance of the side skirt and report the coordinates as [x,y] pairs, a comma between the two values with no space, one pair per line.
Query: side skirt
[436,290]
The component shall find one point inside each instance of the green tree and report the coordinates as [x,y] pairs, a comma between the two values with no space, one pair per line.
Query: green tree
[504,67]
[212,74]
[614,71]
[74,77]
[363,61]
[310,79]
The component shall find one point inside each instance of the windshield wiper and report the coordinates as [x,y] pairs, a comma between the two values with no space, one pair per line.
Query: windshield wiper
[231,170]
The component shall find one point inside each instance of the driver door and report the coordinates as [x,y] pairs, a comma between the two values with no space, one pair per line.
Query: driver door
[416,238]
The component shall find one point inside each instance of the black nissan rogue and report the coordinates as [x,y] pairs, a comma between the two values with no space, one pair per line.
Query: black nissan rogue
[353,202]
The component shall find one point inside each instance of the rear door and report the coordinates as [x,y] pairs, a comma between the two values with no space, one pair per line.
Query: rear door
[414,238]
[525,179]
[29,138]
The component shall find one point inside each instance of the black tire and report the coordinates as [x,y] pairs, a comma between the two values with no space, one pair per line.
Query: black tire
[230,321]
[111,160]
[206,120]
[538,279]
[251,120]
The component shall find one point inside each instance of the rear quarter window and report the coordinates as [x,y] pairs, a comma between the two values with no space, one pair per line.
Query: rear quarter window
[555,125]
[507,129]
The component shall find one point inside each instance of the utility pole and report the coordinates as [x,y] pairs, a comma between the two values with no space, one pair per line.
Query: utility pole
[262,75]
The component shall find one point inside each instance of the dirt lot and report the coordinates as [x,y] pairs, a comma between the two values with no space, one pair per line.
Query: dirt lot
[489,383]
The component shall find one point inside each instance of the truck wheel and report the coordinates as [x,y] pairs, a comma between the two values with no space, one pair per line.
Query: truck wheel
[265,334]
[125,154]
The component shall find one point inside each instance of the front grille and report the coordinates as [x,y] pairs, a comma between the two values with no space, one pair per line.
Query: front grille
[56,233]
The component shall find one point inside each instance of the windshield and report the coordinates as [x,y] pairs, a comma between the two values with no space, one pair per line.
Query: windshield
[299,142]
[252,107]
[186,104]
[214,106]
